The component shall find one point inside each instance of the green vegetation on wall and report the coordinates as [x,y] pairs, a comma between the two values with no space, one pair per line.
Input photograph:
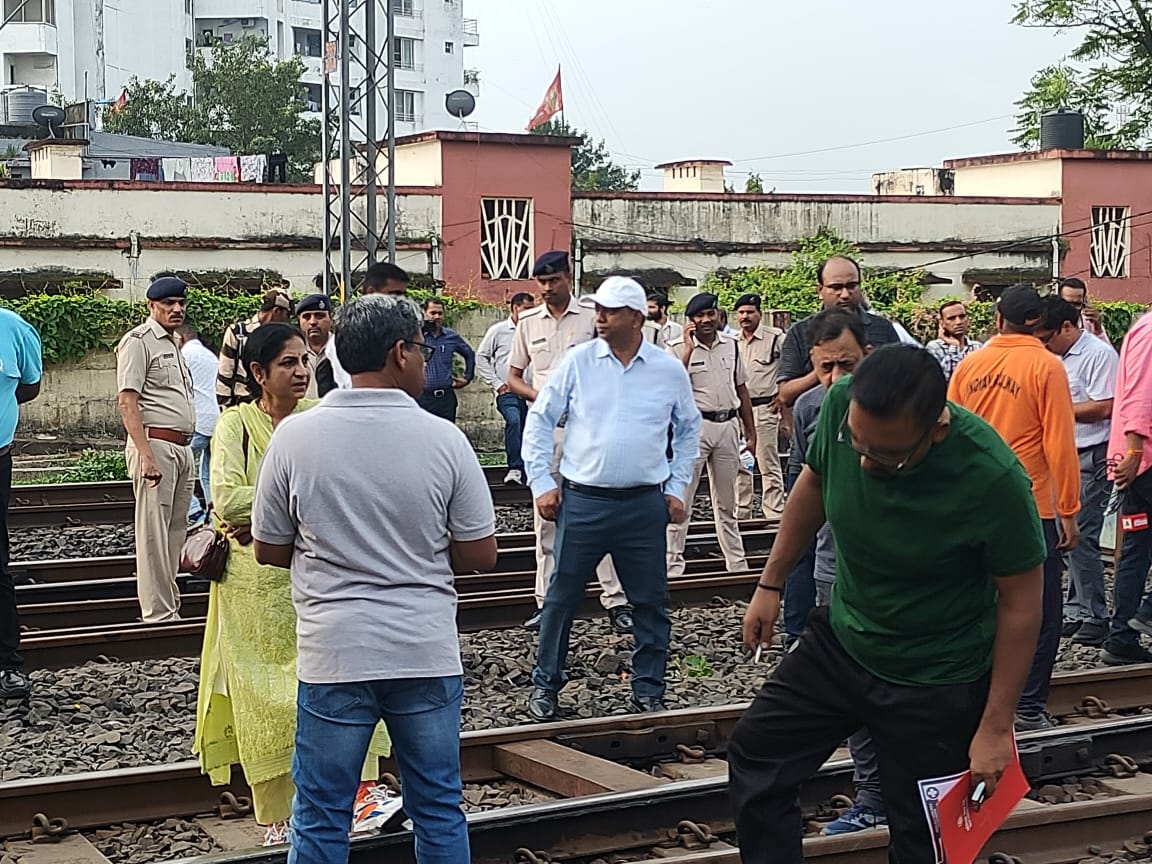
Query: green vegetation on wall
[898,295]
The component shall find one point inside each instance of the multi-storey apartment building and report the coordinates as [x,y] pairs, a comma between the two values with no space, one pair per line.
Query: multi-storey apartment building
[90,48]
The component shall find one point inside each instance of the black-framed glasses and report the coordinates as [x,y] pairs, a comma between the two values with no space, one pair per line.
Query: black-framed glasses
[893,464]
[426,351]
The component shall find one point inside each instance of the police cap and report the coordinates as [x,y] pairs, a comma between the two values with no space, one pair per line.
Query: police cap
[314,303]
[167,287]
[551,263]
[702,302]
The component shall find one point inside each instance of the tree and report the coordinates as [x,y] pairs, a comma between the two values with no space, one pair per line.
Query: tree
[1110,69]
[245,100]
[592,165]
[154,109]
[754,185]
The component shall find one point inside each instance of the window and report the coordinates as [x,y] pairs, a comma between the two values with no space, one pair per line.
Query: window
[187,7]
[404,8]
[405,109]
[34,12]
[1111,238]
[449,47]
[354,101]
[505,238]
[313,97]
[404,53]
[306,43]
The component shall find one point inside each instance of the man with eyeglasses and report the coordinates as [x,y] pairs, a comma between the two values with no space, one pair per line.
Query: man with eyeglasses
[933,616]
[1019,387]
[838,284]
[1074,291]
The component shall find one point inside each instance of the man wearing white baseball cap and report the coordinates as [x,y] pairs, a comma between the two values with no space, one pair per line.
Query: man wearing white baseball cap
[616,493]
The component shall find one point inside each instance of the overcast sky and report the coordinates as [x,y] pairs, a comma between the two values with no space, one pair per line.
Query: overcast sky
[753,81]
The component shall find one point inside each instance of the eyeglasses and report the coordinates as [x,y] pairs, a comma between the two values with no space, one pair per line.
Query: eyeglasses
[426,351]
[898,464]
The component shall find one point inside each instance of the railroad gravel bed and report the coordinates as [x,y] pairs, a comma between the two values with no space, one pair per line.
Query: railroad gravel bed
[151,841]
[122,715]
[92,541]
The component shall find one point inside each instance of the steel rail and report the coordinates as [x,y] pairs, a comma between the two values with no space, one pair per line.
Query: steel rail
[592,825]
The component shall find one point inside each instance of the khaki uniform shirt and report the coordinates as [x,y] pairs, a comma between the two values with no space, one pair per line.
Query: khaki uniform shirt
[149,362]
[761,356]
[541,340]
[661,334]
[716,372]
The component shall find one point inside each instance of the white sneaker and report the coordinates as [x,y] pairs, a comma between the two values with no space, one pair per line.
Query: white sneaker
[514,478]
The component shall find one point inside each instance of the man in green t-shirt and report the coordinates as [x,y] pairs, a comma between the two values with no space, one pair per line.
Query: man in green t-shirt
[934,614]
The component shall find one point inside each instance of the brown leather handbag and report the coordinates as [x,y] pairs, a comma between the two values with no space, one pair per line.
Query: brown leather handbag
[205,554]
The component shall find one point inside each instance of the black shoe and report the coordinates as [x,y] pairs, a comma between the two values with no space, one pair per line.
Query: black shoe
[621,618]
[14,684]
[1094,633]
[533,623]
[648,704]
[1114,655]
[542,704]
[1071,628]
[1141,624]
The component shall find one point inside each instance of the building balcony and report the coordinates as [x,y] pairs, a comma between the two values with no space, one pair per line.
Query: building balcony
[407,10]
[471,33]
[29,39]
[472,81]
[229,9]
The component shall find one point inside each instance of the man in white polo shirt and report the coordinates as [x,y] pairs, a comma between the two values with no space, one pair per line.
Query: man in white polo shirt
[372,550]
[1091,364]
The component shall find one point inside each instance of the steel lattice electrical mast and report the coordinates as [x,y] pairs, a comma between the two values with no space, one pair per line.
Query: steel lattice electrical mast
[350,150]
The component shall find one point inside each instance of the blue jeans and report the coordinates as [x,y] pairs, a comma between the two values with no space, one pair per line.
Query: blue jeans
[201,456]
[514,410]
[1039,681]
[334,724]
[632,531]
[1086,601]
[1129,592]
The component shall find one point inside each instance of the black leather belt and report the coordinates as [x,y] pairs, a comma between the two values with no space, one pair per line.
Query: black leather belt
[614,492]
[762,400]
[719,416]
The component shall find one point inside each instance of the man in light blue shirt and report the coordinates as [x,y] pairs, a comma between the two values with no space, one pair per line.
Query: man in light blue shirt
[20,369]
[1091,364]
[618,490]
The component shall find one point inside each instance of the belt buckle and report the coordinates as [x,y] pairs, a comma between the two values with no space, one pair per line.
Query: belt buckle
[439,393]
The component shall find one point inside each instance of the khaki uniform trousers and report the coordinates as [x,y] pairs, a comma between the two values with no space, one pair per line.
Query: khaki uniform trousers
[161,527]
[720,451]
[611,591]
[767,419]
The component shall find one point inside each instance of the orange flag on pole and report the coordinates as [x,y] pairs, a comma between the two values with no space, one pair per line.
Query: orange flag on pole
[121,102]
[552,105]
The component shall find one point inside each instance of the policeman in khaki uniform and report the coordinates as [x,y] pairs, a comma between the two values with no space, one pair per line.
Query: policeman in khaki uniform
[760,345]
[155,397]
[719,387]
[543,335]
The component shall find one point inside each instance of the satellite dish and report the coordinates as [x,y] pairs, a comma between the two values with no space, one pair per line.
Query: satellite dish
[50,116]
[460,103]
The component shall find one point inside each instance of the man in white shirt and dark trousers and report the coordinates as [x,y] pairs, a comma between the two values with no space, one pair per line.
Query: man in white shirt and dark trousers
[1091,364]
[202,365]
[616,494]
[492,366]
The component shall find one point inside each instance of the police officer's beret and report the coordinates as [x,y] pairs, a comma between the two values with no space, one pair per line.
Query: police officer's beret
[747,300]
[314,303]
[702,302]
[551,263]
[167,287]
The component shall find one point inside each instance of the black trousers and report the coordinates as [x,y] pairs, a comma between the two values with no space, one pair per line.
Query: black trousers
[442,405]
[9,623]
[816,698]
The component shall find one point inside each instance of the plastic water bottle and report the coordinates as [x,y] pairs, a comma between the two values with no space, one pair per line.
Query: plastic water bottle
[747,460]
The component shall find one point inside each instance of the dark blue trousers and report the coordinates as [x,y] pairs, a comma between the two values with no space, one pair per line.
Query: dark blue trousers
[1130,595]
[632,531]
[514,410]
[800,589]
[1035,695]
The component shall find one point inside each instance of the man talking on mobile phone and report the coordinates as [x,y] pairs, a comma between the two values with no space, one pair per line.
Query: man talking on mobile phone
[933,617]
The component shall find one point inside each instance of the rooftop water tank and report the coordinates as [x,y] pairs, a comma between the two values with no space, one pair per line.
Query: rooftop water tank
[1062,129]
[20,102]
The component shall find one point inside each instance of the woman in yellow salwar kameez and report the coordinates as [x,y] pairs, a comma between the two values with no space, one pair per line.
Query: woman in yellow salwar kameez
[246,711]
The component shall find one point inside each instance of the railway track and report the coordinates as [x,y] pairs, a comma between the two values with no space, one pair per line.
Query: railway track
[61,504]
[633,784]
